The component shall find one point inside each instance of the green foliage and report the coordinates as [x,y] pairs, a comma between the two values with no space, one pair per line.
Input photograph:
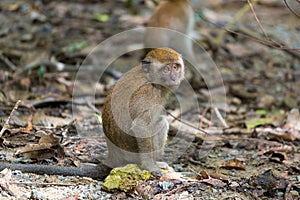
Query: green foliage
[261,112]
[101,17]
[252,123]
[99,117]
[76,46]
[41,72]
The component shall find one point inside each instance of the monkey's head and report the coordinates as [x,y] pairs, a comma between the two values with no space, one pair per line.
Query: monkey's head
[164,66]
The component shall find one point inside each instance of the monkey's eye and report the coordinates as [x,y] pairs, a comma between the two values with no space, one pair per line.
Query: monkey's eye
[176,67]
[166,69]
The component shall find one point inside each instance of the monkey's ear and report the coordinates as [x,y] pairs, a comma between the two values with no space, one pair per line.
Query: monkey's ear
[146,65]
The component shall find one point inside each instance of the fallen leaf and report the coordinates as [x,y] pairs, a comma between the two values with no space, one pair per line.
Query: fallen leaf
[204,177]
[171,176]
[279,150]
[29,125]
[252,123]
[76,46]
[101,17]
[49,139]
[269,181]
[14,6]
[279,133]
[48,147]
[214,182]
[220,176]
[12,190]
[234,164]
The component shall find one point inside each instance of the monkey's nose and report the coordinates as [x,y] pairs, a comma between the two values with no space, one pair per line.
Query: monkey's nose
[173,77]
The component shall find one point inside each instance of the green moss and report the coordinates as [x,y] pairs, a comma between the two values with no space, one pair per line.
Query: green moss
[125,178]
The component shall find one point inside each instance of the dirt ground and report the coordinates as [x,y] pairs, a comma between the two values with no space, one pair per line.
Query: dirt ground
[251,150]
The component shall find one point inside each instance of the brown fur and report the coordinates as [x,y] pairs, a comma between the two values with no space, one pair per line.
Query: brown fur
[132,115]
[172,14]
[164,56]
[177,15]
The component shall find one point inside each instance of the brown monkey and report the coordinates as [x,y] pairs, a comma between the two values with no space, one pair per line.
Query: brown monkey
[177,15]
[133,123]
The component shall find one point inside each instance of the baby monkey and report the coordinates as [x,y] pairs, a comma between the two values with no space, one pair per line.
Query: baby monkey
[133,117]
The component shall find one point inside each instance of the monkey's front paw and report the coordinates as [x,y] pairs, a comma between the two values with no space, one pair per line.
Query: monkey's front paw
[157,173]
[164,166]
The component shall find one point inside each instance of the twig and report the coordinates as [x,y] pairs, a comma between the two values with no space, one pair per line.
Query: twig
[55,66]
[220,117]
[196,162]
[287,5]
[256,18]
[204,120]
[257,38]
[204,113]
[288,188]
[188,124]
[183,187]
[7,189]
[91,106]
[6,125]
[8,62]
[58,66]
[260,25]
[185,112]
[237,16]
[42,184]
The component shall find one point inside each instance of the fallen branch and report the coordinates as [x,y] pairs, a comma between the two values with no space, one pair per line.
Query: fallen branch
[254,36]
[11,65]
[42,184]
[287,5]
[188,124]
[237,16]
[220,117]
[58,66]
[256,18]
[6,124]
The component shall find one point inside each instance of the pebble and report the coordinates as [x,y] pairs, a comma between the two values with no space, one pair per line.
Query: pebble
[83,188]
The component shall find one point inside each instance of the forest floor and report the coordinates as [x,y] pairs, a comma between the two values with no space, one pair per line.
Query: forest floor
[254,153]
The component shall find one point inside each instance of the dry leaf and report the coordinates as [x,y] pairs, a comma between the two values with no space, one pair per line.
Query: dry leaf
[234,164]
[204,177]
[171,176]
[12,190]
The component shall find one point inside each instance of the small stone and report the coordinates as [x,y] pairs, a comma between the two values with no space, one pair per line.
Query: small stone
[280,194]
[266,101]
[294,193]
[236,101]
[234,185]
[166,185]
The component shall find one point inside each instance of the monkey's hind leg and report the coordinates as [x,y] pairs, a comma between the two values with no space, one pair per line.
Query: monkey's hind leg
[118,157]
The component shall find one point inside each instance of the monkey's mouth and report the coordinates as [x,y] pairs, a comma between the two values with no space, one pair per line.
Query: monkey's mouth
[173,86]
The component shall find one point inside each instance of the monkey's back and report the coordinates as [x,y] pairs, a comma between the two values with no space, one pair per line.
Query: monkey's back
[131,96]
[171,14]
